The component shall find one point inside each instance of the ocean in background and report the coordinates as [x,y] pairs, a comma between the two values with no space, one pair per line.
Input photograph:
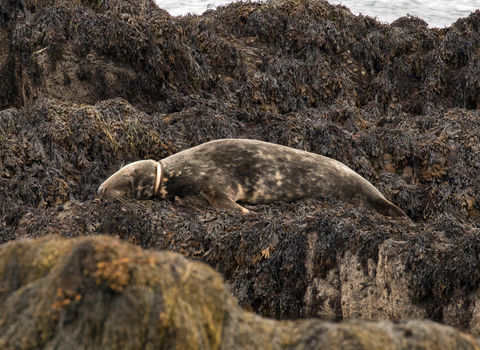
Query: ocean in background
[438,13]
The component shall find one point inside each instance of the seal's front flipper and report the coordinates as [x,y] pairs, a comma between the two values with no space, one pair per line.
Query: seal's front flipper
[223,201]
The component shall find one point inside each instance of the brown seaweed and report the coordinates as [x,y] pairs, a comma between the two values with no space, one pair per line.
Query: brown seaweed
[88,86]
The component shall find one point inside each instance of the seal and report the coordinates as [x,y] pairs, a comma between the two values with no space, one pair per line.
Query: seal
[246,171]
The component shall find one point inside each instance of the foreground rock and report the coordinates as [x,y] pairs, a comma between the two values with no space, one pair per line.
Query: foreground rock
[100,292]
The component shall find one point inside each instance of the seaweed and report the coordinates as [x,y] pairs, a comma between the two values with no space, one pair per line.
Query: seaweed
[102,292]
[88,86]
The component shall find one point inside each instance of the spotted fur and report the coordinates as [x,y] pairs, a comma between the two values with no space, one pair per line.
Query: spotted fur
[252,172]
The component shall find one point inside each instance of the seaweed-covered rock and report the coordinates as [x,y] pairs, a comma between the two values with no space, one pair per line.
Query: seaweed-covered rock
[312,258]
[89,86]
[87,52]
[100,292]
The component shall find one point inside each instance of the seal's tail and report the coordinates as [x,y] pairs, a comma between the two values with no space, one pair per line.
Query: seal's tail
[387,208]
[396,211]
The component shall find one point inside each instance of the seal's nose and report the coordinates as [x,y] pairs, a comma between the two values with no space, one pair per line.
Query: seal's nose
[100,191]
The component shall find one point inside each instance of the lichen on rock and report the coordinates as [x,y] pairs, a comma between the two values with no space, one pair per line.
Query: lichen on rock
[101,292]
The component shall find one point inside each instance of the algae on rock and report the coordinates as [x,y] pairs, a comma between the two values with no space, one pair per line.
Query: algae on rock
[99,292]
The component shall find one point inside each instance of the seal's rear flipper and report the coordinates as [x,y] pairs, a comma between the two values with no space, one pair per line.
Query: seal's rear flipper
[387,208]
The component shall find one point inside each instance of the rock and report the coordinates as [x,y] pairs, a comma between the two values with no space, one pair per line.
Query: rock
[99,292]
[89,86]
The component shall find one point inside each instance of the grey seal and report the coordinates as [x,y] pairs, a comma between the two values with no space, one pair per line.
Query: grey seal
[246,171]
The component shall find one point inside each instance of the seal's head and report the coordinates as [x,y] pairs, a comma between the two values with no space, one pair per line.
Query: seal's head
[138,180]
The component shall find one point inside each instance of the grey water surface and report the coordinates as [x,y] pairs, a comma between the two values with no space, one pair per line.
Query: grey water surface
[438,13]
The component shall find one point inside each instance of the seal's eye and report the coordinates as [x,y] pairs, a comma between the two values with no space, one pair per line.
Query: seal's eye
[126,176]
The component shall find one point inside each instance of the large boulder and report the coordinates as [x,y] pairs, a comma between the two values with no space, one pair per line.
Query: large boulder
[102,293]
